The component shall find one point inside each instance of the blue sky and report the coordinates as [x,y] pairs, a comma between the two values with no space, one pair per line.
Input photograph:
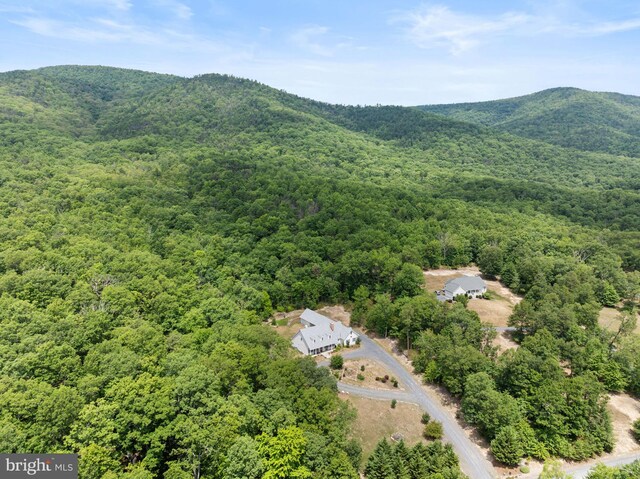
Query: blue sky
[350,51]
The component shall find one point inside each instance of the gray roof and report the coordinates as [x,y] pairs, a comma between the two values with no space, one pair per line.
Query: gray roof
[467,283]
[314,318]
[324,331]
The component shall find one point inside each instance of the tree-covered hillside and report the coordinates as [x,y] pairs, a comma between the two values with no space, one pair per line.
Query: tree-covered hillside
[589,121]
[150,225]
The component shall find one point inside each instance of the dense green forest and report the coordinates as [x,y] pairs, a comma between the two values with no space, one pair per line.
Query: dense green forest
[151,224]
[590,121]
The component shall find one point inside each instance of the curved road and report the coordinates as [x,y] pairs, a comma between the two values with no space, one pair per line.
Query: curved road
[472,460]
[580,471]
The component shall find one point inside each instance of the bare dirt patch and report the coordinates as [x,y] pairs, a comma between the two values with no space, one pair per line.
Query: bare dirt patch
[288,323]
[495,311]
[504,342]
[609,319]
[376,420]
[436,278]
[337,313]
[624,410]
[372,370]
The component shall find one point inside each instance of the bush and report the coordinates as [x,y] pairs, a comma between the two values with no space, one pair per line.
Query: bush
[425,418]
[525,470]
[362,368]
[386,377]
[360,377]
[394,382]
[636,430]
[507,446]
[336,362]
[462,299]
[393,403]
[433,430]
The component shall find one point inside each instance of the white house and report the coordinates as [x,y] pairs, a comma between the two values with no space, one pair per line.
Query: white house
[321,334]
[470,286]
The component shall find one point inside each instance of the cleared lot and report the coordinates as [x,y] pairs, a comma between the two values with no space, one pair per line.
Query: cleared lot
[377,420]
[372,369]
[495,311]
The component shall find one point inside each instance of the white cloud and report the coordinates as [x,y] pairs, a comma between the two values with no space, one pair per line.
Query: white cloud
[439,26]
[606,28]
[107,30]
[308,39]
[178,9]
[122,5]
[15,9]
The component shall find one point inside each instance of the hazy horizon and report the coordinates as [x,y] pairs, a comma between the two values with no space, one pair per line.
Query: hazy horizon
[389,52]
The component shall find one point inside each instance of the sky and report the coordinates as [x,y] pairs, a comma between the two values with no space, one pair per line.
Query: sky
[350,51]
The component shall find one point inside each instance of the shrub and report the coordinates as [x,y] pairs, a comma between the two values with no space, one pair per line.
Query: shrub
[507,446]
[462,299]
[393,403]
[336,362]
[360,377]
[525,469]
[362,368]
[433,430]
[394,382]
[425,418]
[636,430]
[386,377]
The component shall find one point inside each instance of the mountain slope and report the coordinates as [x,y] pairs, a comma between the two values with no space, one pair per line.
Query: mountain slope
[149,226]
[589,121]
[389,143]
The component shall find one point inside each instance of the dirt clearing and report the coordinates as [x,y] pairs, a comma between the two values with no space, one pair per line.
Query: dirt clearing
[495,311]
[372,370]
[609,319]
[624,410]
[377,420]
[504,342]
[337,313]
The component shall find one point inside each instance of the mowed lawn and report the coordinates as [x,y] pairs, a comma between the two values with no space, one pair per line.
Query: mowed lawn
[376,420]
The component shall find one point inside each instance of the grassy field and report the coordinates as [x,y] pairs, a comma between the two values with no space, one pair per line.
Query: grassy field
[377,420]
[609,319]
[372,369]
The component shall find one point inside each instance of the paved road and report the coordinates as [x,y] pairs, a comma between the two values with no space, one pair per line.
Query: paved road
[580,471]
[502,329]
[472,460]
[376,393]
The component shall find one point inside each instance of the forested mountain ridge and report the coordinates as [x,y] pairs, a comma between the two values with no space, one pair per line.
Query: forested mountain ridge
[150,225]
[222,110]
[570,117]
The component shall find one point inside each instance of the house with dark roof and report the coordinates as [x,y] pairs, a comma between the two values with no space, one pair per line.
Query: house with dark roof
[469,286]
[321,334]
